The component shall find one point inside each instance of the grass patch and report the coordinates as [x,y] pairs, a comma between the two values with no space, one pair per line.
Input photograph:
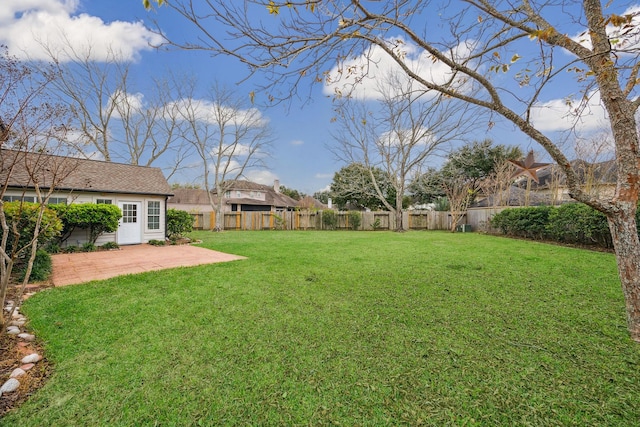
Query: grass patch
[349,328]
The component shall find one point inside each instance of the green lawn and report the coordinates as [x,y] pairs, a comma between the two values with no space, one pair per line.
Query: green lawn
[344,328]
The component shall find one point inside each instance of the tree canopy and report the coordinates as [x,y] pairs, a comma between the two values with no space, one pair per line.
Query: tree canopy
[352,187]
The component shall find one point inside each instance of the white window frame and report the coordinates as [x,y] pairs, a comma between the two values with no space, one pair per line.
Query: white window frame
[154,215]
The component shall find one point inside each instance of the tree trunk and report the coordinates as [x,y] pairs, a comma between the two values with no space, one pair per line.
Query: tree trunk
[399,225]
[627,248]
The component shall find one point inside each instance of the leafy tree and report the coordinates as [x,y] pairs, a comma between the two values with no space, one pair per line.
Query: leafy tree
[481,45]
[427,187]
[471,164]
[322,196]
[294,194]
[478,160]
[353,186]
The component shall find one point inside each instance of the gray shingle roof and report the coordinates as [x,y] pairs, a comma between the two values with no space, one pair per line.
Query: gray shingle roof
[81,174]
[195,196]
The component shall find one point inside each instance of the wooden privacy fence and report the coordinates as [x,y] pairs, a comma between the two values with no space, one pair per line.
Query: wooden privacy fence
[308,220]
[476,218]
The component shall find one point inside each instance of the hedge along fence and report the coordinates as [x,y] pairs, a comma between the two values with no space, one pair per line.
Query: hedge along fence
[569,223]
[319,220]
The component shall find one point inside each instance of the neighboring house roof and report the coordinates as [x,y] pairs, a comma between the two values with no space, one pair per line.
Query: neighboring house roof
[81,174]
[190,196]
[311,203]
[272,197]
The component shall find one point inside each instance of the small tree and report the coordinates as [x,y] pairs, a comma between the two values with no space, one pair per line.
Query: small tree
[31,125]
[459,194]
[178,223]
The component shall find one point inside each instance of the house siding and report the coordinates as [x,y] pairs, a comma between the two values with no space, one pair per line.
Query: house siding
[79,237]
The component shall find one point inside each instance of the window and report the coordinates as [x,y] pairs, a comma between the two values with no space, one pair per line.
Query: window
[19,198]
[129,213]
[57,200]
[153,215]
[227,194]
[104,201]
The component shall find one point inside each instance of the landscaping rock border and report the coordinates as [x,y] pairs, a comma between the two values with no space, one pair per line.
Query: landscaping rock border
[16,327]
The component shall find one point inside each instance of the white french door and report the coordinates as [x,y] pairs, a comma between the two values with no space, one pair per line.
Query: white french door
[130,227]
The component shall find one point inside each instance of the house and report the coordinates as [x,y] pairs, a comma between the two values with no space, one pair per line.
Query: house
[596,178]
[551,189]
[140,192]
[240,196]
[308,202]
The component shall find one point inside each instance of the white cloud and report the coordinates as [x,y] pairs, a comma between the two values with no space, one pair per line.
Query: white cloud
[566,114]
[31,27]
[263,177]
[368,75]
[209,112]
[124,101]
[297,142]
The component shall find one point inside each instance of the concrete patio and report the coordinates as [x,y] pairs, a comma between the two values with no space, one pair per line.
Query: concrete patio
[75,268]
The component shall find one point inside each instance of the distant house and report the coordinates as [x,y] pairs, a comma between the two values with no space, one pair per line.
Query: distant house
[140,192]
[308,202]
[551,188]
[596,178]
[240,196]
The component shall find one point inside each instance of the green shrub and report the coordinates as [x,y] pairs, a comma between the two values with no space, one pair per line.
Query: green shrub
[376,224]
[154,242]
[329,220]
[579,223]
[530,222]
[53,247]
[41,269]
[71,249]
[97,218]
[24,215]
[355,219]
[178,223]
[89,247]
[110,245]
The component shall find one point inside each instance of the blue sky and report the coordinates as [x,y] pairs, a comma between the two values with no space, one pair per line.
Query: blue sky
[300,158]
